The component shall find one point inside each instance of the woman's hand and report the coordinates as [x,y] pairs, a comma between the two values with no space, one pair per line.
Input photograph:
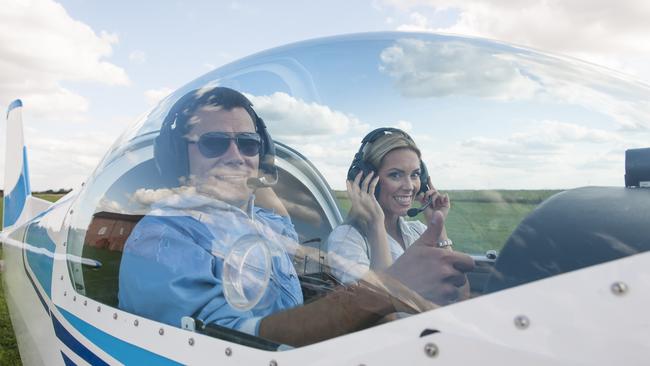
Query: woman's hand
[364,210]
[439,202]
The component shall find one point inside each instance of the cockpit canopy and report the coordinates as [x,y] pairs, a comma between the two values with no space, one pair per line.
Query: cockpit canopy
[500,128]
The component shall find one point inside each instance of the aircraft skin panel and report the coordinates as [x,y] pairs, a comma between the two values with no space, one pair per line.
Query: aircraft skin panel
[117,351]
[16,184]
[14,141]
[14,201]
[38,259]
[29,315]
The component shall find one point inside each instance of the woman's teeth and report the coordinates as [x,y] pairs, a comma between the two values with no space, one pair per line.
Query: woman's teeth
[403,200]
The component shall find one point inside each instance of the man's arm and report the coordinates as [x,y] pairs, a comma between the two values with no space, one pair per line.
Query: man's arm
[266,197]
[345,310]
[422,271]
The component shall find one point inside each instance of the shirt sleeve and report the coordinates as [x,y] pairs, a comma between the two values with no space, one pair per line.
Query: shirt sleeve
[165,275]
[280,224]
[347,254]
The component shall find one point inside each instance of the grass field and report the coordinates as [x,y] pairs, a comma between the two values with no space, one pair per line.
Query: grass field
[482,220]
[478,221]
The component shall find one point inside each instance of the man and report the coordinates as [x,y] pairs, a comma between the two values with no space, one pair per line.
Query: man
[214,147]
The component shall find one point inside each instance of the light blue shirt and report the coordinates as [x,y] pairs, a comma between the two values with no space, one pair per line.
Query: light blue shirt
[173,262]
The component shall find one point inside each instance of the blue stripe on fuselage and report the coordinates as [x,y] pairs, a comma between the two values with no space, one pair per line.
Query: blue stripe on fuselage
[118,349]
[76,346]
[67,361]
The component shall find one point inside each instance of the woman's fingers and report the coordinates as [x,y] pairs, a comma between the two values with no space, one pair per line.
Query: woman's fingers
[366,182]
[373,186]
[357,179]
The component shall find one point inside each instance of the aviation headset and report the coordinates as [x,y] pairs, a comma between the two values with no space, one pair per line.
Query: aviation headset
[359,163]
[170,146]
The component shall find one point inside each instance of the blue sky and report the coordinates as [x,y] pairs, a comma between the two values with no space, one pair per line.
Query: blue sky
[86,69]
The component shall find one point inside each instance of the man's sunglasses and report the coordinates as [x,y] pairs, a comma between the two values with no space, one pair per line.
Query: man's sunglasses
[214,144]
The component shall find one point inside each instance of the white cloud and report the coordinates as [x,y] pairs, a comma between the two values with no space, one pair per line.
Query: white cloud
[405,126]
[138,57]
[436,69]
[69,158]
[288,116]
[40,47]
[613,34]
[154,96]
[546,145]
[147,197]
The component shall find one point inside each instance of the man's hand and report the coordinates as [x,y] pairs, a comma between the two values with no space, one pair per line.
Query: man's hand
[437,274]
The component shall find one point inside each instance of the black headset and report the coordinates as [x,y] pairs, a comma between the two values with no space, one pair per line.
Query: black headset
[170,146]
[359,163]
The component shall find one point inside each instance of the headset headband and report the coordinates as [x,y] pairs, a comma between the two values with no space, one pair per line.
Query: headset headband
[359,162]
[170,146]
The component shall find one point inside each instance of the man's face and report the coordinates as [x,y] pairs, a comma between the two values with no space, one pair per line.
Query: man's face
[223,177]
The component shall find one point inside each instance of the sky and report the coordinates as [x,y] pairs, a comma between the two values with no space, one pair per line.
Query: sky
[86,69]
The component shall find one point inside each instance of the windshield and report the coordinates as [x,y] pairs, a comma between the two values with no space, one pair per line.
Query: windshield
[274,182]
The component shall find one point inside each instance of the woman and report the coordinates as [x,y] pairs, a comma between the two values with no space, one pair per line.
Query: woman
[375,233]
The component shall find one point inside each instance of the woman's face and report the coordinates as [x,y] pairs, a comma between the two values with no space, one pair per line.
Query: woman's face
[399,179]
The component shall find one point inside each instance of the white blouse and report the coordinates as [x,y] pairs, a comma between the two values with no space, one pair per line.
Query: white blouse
[348,252]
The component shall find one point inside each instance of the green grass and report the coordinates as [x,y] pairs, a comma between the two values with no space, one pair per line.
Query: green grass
[8,348]
[481,220]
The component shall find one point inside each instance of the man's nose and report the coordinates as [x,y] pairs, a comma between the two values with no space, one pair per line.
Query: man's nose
[232,154]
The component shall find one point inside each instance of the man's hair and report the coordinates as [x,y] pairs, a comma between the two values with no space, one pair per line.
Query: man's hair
[170,147]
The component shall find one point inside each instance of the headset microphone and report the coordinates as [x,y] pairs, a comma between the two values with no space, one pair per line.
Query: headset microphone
[412,212]
[262,182]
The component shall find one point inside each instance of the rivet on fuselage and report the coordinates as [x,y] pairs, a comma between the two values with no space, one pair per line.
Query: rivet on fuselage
[431,350]
[619,288]
[99,309]
[522,322]
[228,352]
[273,363]
[161,331]
[114,315]
[136,322]
[85,302]
[190,341]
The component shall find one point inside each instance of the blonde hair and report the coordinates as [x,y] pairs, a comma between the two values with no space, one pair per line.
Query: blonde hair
[375,152]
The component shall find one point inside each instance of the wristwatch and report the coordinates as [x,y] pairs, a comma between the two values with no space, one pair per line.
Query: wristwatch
[447,243]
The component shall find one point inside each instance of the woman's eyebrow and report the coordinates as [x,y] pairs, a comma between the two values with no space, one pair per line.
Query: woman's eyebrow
[395,170]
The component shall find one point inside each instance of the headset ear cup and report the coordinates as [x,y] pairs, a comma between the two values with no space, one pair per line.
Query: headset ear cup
[355,166]
[170,153]
[267,151]
[424,178]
